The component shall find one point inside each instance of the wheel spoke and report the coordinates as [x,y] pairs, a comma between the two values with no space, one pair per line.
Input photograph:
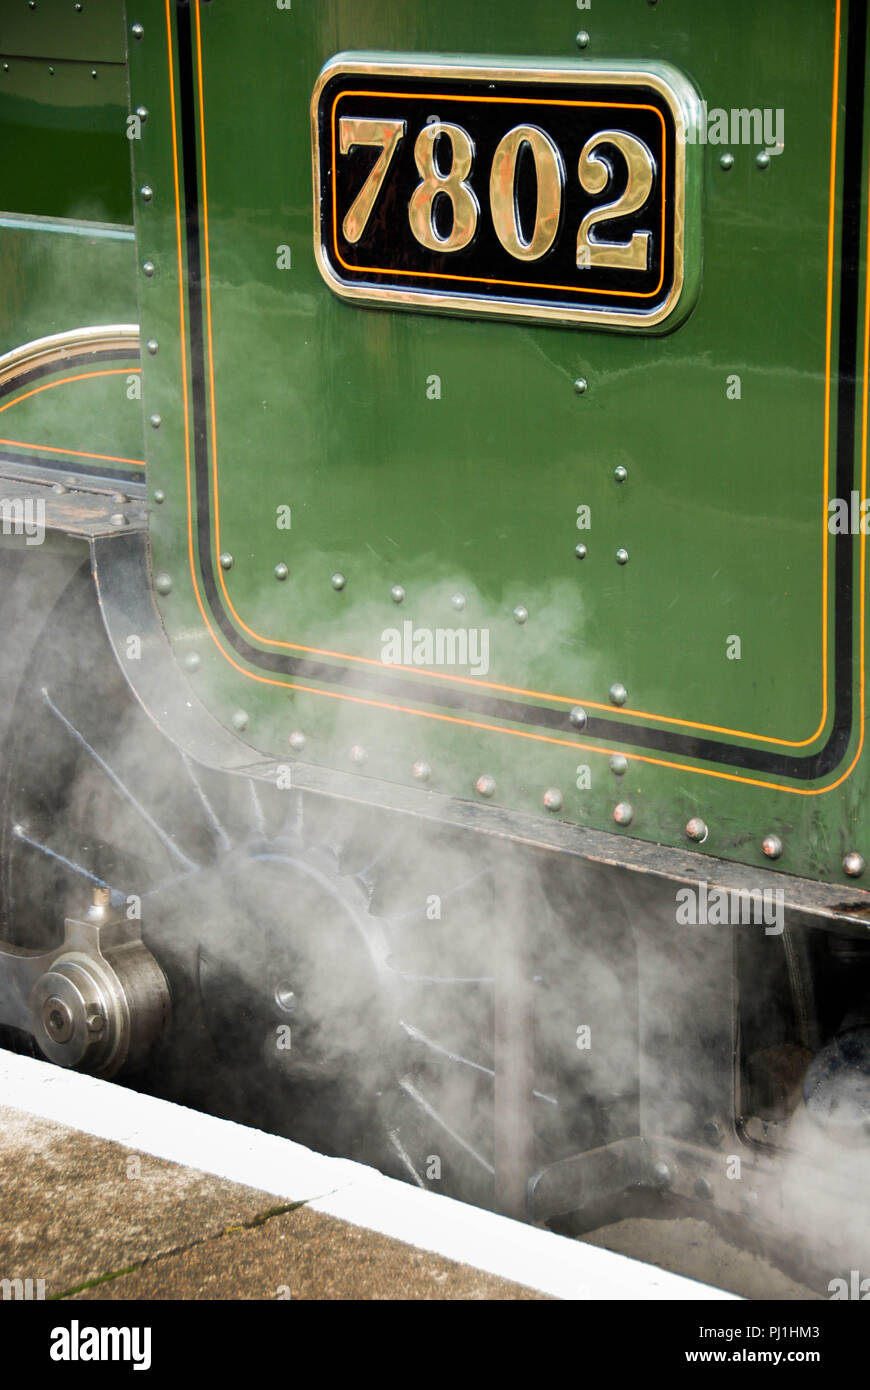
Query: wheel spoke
[423,1104]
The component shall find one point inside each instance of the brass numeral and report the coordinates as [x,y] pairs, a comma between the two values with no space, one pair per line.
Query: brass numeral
[421,210]
[358,130]
[550,172]
[595,173]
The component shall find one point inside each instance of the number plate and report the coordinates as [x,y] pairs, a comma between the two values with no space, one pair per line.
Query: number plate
[558,195]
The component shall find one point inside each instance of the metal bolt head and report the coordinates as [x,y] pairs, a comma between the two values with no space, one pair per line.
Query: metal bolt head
[552,799]
[163,583]
[620,474]
[421,770]
[155,421]
[662,1176]
[485,785]
[397,593]
[619,764]
[297,740]
[580,551]
[240,720]
[623,813]
[696,829]
[142,112]
[148,268]
[95,1021]
[59,488]
[578,717]
[226,560]
[146,192]
[762,159]
[772,846]
[152,346]
[521,614]
[712,1134]
[159,496]
[618,693]
[726,162]
[118,519]
[338,581]
[854,864]
[583,39]
[458,602]
[622,556]
[581,385]
[281,571]
[57,1019]
[358,755]
[137,31]
[120,497]
[192,661]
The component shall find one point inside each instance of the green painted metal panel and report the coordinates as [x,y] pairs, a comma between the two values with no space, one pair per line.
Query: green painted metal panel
[86,30]
[450,455]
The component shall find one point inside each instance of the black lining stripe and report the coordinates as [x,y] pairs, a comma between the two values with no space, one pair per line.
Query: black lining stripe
[788,765]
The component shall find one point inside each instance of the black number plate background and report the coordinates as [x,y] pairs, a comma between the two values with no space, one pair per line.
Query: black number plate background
[389,257]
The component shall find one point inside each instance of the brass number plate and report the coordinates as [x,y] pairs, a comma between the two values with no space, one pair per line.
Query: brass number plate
[557,195]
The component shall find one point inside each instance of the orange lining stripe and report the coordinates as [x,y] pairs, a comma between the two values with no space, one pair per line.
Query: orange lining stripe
[72,453]
[543,738]
[479,279]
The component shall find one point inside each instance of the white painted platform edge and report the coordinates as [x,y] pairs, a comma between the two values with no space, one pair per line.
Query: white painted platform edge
[350,1191]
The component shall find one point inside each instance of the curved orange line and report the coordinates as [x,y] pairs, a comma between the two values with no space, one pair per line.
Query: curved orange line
[54,449]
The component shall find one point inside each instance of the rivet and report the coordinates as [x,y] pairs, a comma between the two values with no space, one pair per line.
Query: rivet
[155,421]
[580,551]
[297,740]
[281,571]
[191,661]
[146,192]
[583,39]
[152,346]
[622,556]
[553,799]
[696,830]
[397,593]
[94,73]
[148,268]
[338,581]
[581,385]
[520,614]
[620,474]
[358,755]
[50,70]
[623,813]
[619,764]
[159,496]
[712,1133]
[78,7]
[458,602]
[142,112]
[772,846]
[118,519]
[240,720]
[578,717]
[726,162]
[120,497]
[59,487]
[485,785]
[662,1175]
[137,31]
[618,693]
[854,864]
[163,583]
[422,771]
[762,159]
[226,560]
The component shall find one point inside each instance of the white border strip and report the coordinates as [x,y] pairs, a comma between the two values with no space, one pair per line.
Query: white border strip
[350,1191]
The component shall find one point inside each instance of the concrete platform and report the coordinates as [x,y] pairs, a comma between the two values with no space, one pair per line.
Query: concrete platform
[108,1194]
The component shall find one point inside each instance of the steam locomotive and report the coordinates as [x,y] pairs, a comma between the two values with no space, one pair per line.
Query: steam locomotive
[425,436]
